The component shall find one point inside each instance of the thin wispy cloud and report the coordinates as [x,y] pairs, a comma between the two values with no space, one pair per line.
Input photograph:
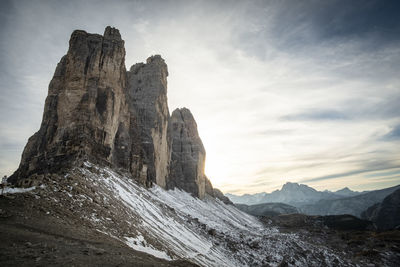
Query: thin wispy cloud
[281,90]
[393,134]
[317,115]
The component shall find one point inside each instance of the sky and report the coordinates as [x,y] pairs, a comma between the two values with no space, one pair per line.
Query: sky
[299,91]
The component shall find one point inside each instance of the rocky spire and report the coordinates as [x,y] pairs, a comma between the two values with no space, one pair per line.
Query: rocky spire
[82,110]
[112,33]
[186,168]
[147,87]
[187,154]
[97,111]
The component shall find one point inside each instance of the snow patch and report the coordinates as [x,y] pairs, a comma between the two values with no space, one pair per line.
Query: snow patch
[16,190]
[140,244]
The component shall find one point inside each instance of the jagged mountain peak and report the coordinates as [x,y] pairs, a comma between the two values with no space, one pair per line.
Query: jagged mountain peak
[155,59]
[346,192]
[344,189]
[187,154]
[290,193]
[85,106]
[185,117]
[289,186]
[98,111]
[112,33]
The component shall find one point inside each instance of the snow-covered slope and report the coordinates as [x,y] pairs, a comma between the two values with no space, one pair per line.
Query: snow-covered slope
[173,224]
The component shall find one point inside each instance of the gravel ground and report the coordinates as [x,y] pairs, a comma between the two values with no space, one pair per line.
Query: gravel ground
[31,237]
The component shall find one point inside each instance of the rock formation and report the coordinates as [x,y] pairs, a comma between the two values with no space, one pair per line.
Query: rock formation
[186,168]
[97,111]
[187,154]
[84,106]
[147,86]
[218,194]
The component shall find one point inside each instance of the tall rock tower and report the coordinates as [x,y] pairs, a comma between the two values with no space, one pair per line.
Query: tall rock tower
[85,101]
[147,87]
[188,154]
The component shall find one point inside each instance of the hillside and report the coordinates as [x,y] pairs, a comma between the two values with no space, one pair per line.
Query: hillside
[267,209]
[99,204]
[386,214]
[349,205]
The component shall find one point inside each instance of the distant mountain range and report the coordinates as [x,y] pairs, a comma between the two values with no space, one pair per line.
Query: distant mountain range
[346,192]
[267,209]
[310,201]
[292,194]
[386,214]
[348,205]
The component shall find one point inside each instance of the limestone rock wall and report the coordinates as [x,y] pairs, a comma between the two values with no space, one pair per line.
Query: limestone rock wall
[97,111]
[147,86]
[187,154]
[82,110]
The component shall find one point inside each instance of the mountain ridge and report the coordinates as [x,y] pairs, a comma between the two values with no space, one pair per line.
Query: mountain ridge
[290,193]
[312,202]
[267,209]
[385,214]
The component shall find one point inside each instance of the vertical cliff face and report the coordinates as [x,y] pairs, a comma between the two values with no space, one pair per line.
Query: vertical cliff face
[187,154]
[147,87]
[82,110]
[97,111]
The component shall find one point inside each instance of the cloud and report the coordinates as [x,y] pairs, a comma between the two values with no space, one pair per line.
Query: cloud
[350,173]
[317,115]
[393,135]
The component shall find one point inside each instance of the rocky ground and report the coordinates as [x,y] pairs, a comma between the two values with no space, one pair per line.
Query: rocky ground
[345,233]
[30,235]
[90,216]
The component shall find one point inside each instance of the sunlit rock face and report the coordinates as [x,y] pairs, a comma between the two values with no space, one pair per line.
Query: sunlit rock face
[188,154]
[186,168]
[97,111]
[218,194]
[84,107]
